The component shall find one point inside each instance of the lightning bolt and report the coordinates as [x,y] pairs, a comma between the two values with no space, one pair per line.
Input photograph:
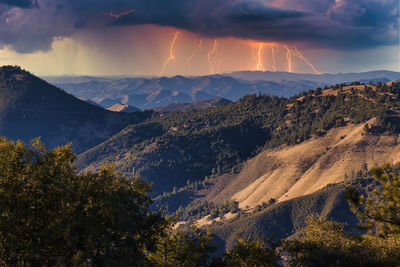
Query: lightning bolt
[273,56]
[212,51]
[118,15]
[171,53]
[221,56]
[298,54]
[195,51]
[253,57]
[259,54]
[289,58]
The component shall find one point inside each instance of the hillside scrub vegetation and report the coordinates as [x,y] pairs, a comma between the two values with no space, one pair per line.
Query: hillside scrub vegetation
[379,211]
[171,148]
[325,243]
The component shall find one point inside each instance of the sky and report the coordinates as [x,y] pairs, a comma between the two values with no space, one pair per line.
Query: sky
[199,37]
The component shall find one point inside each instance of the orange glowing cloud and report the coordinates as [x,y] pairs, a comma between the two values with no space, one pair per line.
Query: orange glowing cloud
[165,51]
[196,50]
[297,53]
[229,54]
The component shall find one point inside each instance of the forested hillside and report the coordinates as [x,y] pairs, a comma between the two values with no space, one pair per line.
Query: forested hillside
[202,104]
[31,107]
[177,148]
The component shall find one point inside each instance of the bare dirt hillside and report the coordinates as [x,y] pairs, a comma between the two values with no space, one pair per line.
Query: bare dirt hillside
[288,172]
[286,218]
[123,108]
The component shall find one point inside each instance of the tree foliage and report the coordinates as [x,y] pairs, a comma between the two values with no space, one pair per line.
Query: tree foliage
[380,210]
[324,243]
[250,253]
[184,248]
[52,216]
[200,209]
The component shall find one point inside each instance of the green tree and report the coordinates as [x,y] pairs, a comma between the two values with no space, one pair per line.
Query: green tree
[184,248]
[50,215]
[380,210]
[255,253]
[325,243]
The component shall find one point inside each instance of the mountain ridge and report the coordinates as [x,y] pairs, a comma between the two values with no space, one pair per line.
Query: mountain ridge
[31,107]
[147,93]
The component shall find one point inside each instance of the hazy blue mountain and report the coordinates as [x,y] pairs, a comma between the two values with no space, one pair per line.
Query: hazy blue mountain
[147,93]
[156,92]
[326,78]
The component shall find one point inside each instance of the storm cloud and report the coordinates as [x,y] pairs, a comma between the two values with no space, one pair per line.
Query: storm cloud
[20,3]
[29,26]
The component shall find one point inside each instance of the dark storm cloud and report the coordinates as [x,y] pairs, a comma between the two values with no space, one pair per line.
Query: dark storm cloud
[20,3]
[338,24]
[28,30]
[344,24]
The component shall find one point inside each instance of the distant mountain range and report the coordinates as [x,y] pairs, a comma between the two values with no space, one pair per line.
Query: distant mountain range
[148,93]
[322,79]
